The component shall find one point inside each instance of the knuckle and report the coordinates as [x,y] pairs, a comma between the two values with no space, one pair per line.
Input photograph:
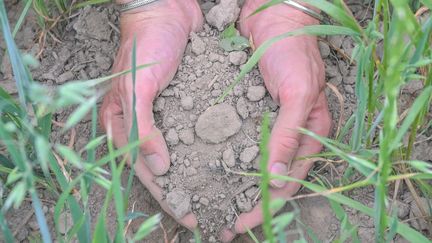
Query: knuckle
[325,125]
[288,143]
[300,92]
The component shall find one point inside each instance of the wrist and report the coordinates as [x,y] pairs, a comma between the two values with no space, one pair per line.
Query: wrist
[186,13]
[292,17]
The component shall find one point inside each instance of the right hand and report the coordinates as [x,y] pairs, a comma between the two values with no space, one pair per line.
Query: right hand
[161,30]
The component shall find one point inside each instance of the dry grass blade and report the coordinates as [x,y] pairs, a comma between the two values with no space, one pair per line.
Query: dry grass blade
[341,106]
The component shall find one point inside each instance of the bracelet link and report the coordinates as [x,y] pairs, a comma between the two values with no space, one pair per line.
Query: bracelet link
[305,10]
[134,4]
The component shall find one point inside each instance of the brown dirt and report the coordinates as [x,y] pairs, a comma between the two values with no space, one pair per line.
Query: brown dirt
[198,177]
[208,142]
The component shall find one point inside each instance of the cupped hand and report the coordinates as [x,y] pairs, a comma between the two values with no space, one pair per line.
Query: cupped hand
[161,30]
[293,73]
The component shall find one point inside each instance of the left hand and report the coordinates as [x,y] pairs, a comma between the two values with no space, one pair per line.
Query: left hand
[293,73]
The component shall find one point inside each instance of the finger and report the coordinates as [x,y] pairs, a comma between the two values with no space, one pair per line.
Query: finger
[112,120]
[153,151]
[227,235]
[147,178]
[319,122]
[284,138]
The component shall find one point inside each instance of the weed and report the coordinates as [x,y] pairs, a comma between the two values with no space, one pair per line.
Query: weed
[375,148]
[32,159]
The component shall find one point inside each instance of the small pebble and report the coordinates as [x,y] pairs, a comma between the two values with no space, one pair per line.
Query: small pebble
[173,157]
[248,154]
[197,44]
[212,165]
[169,121]
[242,109]
[187,162]
[204,201]
[159,104]
[190,171]
[187,136]
[255,93]
[193,117]
[238,90]
[243,204]
[244,166]
[237,57]
[324,49]
[179,202]
[167,93]
[172,137]
[212,239]
[187,103]
[162,181]
[228,157]
[250,193]
[216,93]
[195,198]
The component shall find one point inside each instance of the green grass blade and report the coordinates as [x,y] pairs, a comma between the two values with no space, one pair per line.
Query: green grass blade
[404,230]
[21,17]
[265,180]
[307,30]
[7,234]
[416,107]
[20,73]
[79,113]
[147,227]
[133,134]
[40,217]
[89,2]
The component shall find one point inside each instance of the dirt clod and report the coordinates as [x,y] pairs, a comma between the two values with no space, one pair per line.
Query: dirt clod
[226,12]
[198,46]
[218,123]
[237,57]
[187,102]
[243,203]
[229,157]
[242,109]
[256,93]
[172,137]
[159,104]
[187,136]
[179,202]
[249,154]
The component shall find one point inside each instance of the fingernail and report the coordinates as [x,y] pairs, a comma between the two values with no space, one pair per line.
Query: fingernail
[155,163]
[278,169]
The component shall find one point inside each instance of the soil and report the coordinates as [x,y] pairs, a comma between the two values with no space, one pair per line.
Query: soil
[208,143]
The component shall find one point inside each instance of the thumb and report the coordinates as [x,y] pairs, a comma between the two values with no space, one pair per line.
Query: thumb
[153,151]
[284,140]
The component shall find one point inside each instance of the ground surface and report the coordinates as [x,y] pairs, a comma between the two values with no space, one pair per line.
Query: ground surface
[200,176]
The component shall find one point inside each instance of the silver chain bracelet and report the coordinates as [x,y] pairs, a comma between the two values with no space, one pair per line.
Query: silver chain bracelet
[134,4]
[138,3]
[305,10]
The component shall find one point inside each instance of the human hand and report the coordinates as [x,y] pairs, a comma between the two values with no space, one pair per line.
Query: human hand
[293,73]
[161,30]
